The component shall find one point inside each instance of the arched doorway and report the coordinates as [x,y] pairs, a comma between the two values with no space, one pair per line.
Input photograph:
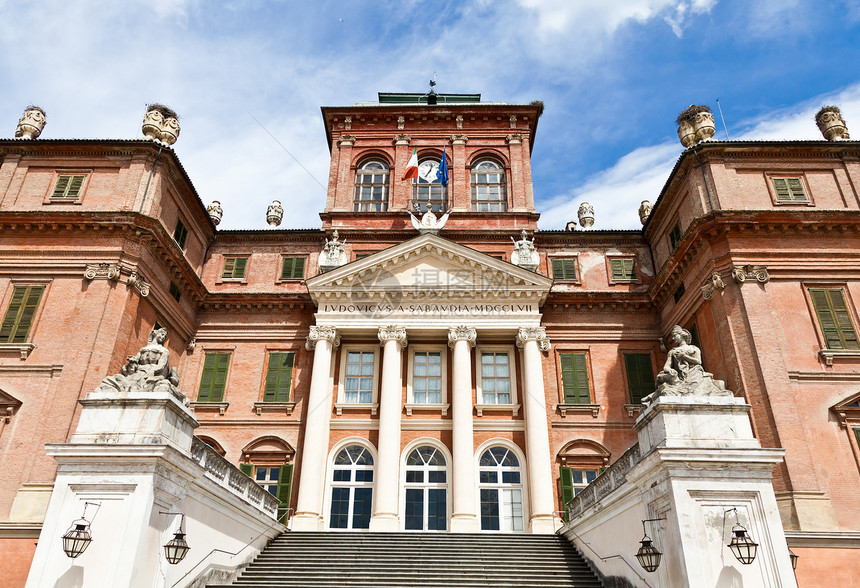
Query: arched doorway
[426,489]
[351,488]
[501,490]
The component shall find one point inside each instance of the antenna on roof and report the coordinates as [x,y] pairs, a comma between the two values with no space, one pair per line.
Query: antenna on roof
[722,119]
[431,95]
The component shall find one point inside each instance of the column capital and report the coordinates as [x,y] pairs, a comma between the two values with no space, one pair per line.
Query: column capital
[346,140]
[402,139]
[392,333]
[514,139]
[462,333]
[537,334]
[322,333]
[459,139]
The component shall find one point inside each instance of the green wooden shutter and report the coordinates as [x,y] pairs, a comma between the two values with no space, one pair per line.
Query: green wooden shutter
[285,486]
[229,266]
[214,377]
[19,316]
[789,190]
[574,377]
[857,435]
[843,319]
[246,469]
[780,186]
[566,479]
[293,268]
[240,264]
[60,188]
[834,318]
[640,375]
[622,269]
[795,187]
[564,269]
[279,377]
[75,186]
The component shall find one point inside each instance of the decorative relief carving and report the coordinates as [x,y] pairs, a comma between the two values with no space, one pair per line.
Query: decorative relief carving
[758,272]
[275,213]
[392,333]
[402,139]
[401,122]
[514,139]
[459,121]
[429,222]
[538,334]
[513,120]
[138,284]
[346,140]
[333,254]
[322,333]
[215,212]
[347,123]
[714,283]
[586,215]
[462,333]
[525,255]
[459,139]
[31,123]
[102,271]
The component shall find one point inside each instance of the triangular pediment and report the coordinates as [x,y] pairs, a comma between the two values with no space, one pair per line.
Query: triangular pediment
[9,405]
[848,410]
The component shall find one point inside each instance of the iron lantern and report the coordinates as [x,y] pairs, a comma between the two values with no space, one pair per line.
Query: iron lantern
[77,538]
[648,555]
[742,546]
[176,549]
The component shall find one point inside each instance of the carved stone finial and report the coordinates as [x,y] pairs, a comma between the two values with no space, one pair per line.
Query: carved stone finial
[462,333]
[392,333]
[683,374]
[275,213]
[695,124]
[160,123]
[513,121]
[525,255]
[526,334]
[459,121]
[714,283]
[429,222]
[586,215]
[192,343]
[401,122]
[322,333]
[831,124]
[644,211]
[31,123]
[758,272]
[333,254]
[215,212]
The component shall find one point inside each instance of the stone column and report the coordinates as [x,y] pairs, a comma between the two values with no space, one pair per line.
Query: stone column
[385,516]
[464,517]
[309,508]
[533,340]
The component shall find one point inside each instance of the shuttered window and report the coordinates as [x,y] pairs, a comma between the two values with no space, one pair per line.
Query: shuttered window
[574,378]
[789,190]
[293,268]
[622,270]
[279,377]
[19,316]
[214,377]
[277,481]
[675,236]
[234,268]
[834,318]
[564,269]
[566,480]
[180,233]
[68,186]
[640,375]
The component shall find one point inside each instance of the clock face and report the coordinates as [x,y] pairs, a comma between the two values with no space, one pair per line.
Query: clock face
[427,171]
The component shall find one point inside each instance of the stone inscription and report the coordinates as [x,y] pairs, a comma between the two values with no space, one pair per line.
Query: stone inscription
[431,310]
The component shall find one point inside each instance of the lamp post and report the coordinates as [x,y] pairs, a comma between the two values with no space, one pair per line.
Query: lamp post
[648,555]
[176,549]
[742,546]
[78,537]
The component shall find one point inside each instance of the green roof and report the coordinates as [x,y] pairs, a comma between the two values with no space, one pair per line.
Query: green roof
[408,98]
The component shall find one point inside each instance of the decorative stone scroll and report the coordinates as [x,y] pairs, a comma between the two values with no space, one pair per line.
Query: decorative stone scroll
[322,333]
[31,123]
[458,120]
[103,271]
[538,334]
[333,255]
[347,123]
[138,283]
[683,374]
[748,272]
[147,371]
[714,283]
[514,139]
[392,333]
[462,333]
[524,254]
[513,121]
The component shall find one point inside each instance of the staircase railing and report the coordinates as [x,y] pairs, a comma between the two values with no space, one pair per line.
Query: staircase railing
[608,557]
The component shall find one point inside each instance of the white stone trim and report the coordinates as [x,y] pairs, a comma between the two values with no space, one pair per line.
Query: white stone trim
[329,468]
[514,382]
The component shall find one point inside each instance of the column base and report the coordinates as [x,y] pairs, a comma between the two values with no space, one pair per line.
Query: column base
[306,521]
[542,524]
[465,523]
[384,522]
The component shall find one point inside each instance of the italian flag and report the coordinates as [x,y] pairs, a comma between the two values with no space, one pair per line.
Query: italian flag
[412,167]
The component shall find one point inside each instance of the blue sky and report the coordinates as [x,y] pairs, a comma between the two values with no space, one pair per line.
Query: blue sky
[613,75]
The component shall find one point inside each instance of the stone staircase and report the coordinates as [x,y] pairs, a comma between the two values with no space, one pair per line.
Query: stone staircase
[351,559]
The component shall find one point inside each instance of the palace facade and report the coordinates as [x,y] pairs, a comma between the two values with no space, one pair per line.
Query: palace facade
[428,359]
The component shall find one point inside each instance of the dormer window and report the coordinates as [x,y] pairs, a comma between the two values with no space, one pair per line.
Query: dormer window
[427,189]
[371,186]
[488,187]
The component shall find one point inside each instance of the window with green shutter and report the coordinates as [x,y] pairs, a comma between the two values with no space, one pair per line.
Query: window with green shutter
[640,375]
[180,233]
[214,377]
[574,378]
[293,268]
[622,270]
[20,314]
[234,268]
[285,486]
[834,318]
[564,269]
[789,190]
[276,480]
[68,186]
[279,377]
[246,469]
[675,236]
[566,480]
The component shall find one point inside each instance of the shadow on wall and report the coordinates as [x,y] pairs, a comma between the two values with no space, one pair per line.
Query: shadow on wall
[617,582]
[730,578]
[73,578]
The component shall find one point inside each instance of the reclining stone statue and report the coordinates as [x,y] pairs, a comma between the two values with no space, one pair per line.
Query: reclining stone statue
[147,371]
[683,374]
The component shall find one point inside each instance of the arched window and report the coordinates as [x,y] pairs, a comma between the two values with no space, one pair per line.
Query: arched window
[426,490]
[351,488]
[371,186]
[426,188]
[501,490]
[488,187]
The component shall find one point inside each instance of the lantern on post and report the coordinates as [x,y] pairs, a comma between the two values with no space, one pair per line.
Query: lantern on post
[78,537]
[648,555]
[176,549]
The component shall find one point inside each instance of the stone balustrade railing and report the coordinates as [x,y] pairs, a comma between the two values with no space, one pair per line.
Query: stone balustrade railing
[228,476]
[611,478]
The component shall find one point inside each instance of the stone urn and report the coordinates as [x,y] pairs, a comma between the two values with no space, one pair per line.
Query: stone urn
[644,211]
[695,124]
[586,215]
[275,213]
[215,212]
[686,133]
[704,125]
[831,124]
[160,123]
[30,125]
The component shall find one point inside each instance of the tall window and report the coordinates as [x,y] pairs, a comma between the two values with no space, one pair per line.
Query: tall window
[19,316]
[426,490]
[351,488]
[675,236]
[834,318]
[495,377]
[214,377]
[358,384]
[574,378]
[279,377]
[640,375]
[276,480]
[574,481]
[501,490]
[427,377]
[426,188]
[180,233]
[371,187]
[488,187]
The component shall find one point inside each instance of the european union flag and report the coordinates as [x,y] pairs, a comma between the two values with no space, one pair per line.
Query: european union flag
[442,173]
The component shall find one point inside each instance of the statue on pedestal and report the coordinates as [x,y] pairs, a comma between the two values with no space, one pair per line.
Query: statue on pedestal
[333,254]
[683,374]
[147,371]
[524,254]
